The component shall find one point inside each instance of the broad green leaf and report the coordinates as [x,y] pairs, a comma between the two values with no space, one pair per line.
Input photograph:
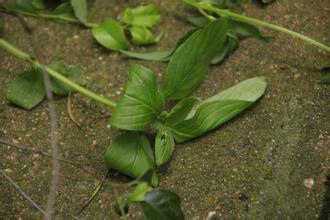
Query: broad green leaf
[26,90]
[161,205]
[229,47]
[151,56]
[191,60]
[142,36]
[110,34]
[80,10]
[164,146]
[180,111]
[131,155]
[138,194]
[219,109]
[145,16]
[73,73]
[246,30]
[141,103]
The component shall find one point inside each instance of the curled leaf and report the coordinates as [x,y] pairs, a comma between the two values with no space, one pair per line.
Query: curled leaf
[145,16]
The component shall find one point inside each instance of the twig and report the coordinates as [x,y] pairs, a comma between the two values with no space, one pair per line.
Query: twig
[46,155]
[69,107]
[20,191]
[95,192]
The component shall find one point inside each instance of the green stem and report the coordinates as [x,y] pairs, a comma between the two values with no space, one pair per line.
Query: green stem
[203,6]
[24,56]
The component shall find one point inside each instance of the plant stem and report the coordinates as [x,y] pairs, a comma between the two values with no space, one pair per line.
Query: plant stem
[24,56]
[203,6]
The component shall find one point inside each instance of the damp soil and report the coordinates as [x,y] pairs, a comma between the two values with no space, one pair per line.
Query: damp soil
[253,167]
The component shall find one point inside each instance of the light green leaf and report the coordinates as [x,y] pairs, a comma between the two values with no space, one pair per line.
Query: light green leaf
[131,154]
[110,34]
[161,205]
[191,60]
[138,194]
[198,21]
[39,4]
[164,146]
[219,109]
[151,56]
[80,10]
[142,36]
[141,103]
[63,9]
[73,73]
[146,16]
[26,90]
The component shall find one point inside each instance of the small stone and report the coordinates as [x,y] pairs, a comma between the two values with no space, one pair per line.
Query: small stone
[308,183]
[243,197]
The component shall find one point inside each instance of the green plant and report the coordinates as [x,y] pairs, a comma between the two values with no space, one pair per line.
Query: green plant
[142,107]
[111,34]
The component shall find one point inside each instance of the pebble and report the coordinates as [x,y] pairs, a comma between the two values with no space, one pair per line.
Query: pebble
[308,183]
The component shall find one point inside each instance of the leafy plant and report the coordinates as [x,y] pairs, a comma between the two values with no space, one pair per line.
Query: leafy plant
[110,33]
[27,89]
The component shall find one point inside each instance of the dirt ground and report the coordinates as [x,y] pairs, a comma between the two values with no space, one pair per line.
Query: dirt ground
[253,167]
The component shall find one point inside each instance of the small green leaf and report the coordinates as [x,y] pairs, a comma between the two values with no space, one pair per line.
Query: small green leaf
[229,47]
[219,109]
[63,9]
[141,103]
[24,7]
[164,146]
[110,34]
[180,111]
[161,205]
[131,155]
[138,194]
[142,36]
[151,56]
[80,10]
[145,16]
[198,21]
[191,60]
[246,30]
[71,72]
[26,90]
[39,4]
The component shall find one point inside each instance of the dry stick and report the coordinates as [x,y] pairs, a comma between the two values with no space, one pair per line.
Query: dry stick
[69,107]
[47,155]
[53,124]
[20,191]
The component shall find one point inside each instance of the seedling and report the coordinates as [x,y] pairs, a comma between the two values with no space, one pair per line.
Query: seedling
[111,34]
[142,107]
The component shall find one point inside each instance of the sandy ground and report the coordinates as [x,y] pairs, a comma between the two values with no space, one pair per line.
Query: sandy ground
[252,168]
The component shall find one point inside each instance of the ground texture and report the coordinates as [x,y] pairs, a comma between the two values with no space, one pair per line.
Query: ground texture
[253,167]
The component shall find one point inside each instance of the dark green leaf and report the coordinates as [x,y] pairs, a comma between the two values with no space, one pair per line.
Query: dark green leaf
[164,146]
[246,30]
[191,60]
[71,72]
[145,16]
[80,10]
[26,90]
[180,111]
[111,35]
[138,194]
[151,56]
[142,36]
[23,6]
[131,155]
[198,21]
[63,9]
[229,47]
[218,109]
[161,205]
[141,103]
